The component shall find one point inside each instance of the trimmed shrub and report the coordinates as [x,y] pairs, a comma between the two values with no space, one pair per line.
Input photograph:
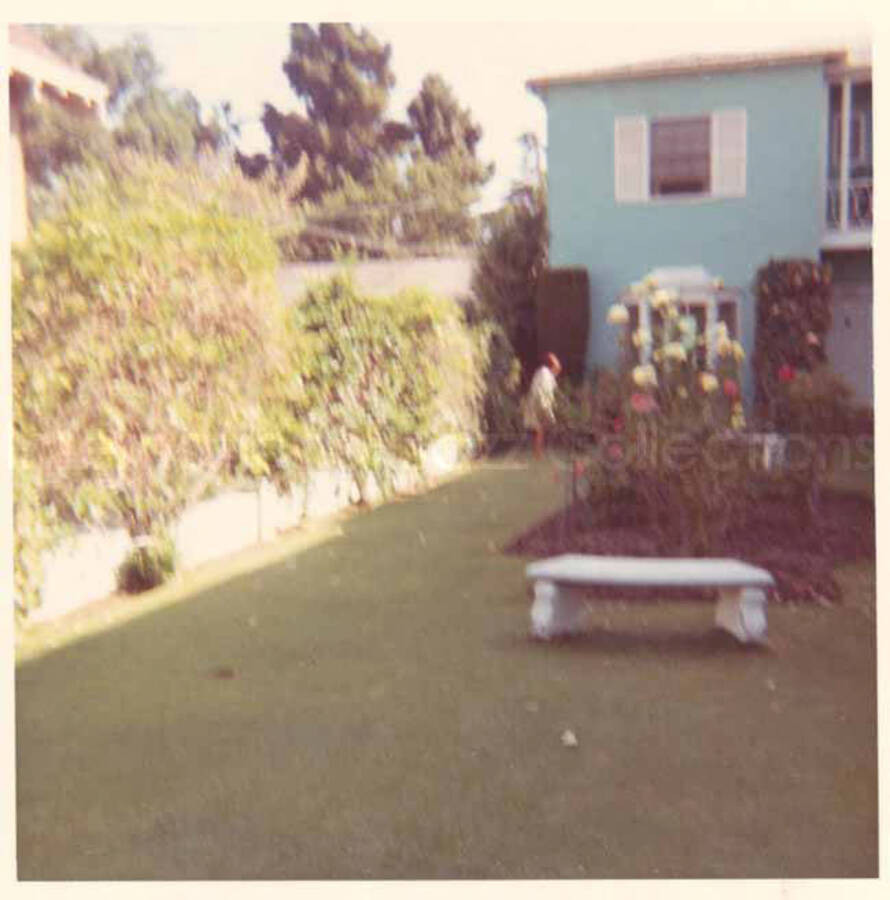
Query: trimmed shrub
[793,318]
[147,565]
[563,317]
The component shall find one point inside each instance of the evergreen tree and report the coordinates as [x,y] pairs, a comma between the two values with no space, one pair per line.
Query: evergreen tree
[342,77]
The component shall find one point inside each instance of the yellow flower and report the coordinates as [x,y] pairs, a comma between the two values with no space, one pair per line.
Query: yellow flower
[738,351]
[618,314]
[718,284]
[650,283]
[641,336]
[675,350]
[721,331]
[644,376]
[682,392]
[737,420]
[662,297]
[724,345]
[708,382]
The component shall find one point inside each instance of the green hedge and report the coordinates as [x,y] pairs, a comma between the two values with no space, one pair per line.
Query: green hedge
[154,361]
[563,317]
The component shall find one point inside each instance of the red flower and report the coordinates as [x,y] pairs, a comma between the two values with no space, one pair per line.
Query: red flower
[615,451]
[618,424]
[786,373]
[642,403]
[731,388]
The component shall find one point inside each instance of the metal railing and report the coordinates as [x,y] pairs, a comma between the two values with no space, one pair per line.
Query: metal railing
[860,198]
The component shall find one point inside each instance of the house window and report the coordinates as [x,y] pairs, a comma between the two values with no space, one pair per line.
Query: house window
[663,158]
[680,156]
[728,313]
[704,312]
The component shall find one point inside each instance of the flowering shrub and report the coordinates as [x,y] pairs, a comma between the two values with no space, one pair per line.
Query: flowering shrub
[676,449]
[154,362]
[793,318]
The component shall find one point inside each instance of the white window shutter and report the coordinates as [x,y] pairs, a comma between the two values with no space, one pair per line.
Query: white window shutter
[729,151]
[631,159]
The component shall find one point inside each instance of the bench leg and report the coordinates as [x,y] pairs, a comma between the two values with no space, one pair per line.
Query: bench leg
[742,612]
[555,611]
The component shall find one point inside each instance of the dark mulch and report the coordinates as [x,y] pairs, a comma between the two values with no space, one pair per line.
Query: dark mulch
[801,558]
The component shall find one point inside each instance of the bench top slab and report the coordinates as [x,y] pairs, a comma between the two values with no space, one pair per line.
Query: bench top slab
[648,572]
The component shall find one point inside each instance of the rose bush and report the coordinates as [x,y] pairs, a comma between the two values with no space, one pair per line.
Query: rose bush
[677,455]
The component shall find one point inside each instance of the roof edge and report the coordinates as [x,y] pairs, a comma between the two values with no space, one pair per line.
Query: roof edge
[690,65]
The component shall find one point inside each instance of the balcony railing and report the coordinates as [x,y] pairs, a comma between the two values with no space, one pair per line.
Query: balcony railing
[860,196]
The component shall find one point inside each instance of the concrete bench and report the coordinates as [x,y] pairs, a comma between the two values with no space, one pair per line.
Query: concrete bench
[558,606]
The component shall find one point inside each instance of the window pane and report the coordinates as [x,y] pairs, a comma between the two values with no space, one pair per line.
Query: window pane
[680,156]
[727,312]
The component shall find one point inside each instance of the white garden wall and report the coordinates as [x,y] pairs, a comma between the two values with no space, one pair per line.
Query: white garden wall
[82,569]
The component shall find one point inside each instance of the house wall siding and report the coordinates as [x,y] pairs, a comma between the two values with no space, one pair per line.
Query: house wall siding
[781,214]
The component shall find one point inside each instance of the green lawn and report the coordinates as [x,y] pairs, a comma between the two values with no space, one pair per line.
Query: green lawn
[386,716]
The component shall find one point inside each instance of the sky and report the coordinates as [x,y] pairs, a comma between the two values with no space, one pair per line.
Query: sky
[487,63]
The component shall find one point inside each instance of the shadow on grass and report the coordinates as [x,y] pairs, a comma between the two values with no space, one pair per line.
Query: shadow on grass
[702,644]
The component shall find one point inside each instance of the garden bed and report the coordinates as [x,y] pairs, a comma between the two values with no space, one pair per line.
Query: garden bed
[801,558]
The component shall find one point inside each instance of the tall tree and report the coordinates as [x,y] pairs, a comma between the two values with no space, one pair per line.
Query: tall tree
[148,117]
[342,77]
[512,254]
[439,122]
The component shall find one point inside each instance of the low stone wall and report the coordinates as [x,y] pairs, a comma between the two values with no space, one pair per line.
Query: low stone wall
[82,569]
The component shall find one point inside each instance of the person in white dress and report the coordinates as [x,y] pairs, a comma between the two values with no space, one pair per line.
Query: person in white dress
[538,413]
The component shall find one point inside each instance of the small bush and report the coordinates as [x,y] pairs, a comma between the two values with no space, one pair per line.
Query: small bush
[502,424]
[813,407]
[673,440]
[149,564]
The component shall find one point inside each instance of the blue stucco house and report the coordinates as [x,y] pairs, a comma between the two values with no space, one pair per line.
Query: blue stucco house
[699,170]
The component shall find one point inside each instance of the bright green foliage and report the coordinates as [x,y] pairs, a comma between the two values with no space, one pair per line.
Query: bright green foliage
[376,379]
[143,341]
[793,319]
[512,254]
[154,361]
